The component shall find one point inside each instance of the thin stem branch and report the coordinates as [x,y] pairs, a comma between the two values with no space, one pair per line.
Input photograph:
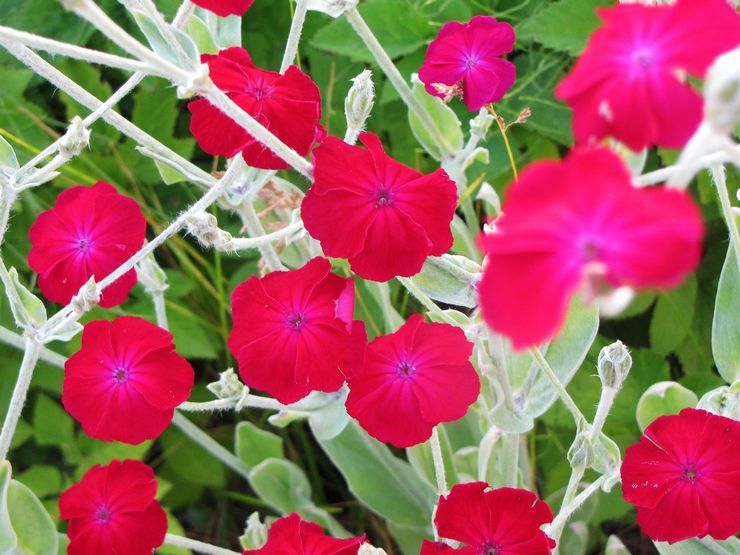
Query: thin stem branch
[255,229]
[439,463]
[210,445]
[160,309]
[246,401]
[294,37]
[502,128]
[720,180]
[195,545]
[30,357]
[567,511]
[606,400]
[246,243]
[17,341]
[559,388]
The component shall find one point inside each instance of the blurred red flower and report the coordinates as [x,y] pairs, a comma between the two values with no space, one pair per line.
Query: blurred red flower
[577,224]
[412,380]
[293,331]
[630,83]
[504,521]
[126,380]
[113,510]
[386,218]
[465,59]
[288,105]
[684,477]
[225,7]
[292,536]
[90,231]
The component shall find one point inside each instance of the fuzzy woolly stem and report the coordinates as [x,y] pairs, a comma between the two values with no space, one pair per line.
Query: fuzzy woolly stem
[255,229]
[245,401]
[661,175]
[160,309]
[394,76]
[194,545]
[17,341]
[210,445]
[294,37]
[606,400]
[719,177]
[571,490]
[30,357]
[559,388]
[439,464]
[260,241]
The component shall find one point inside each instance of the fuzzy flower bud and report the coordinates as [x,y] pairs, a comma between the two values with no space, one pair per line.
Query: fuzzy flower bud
[360,100]
[204,227]
[580,452]
[722,92]
[334,8]
[367,549]
[76,139]
[228,385]
[255,533]
[87,298]
[614,364]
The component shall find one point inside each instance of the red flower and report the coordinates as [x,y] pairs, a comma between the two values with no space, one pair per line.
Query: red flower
[465,60]
[503,521]
[580,222]
[293,331]
[113,510]
[419,376]
[386,218]
[292,536]
[630,82]
[225,7]
[126,380]
[684,477]
[288,105]
[90,231]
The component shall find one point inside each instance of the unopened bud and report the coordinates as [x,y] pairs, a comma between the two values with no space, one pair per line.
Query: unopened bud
[204,227]
[87,298]
[360,100]
[367,549]
[255,533]
[76,139]
[614,364]
[334,8]
[228,385]
[580,452]
[722,93]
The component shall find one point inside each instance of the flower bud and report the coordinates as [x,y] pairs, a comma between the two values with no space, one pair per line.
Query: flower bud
[580,452]
[204,227]
[722,92]
[255,533]
[334,8]
[367,549]
[614,365]
[228,385]
[360,100]
[76,139]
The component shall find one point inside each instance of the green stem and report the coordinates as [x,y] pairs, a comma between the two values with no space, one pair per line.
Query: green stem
[559,389]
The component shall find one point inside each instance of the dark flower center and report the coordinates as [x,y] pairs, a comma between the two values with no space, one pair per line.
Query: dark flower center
[470,62]
[643,59]
[120,375]
[490,549]
[383,197]
[296,321]
[84,245]
[103,515]
[690,474]
[406,369]
[260,90]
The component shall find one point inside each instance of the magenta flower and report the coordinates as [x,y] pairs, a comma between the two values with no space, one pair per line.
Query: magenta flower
[464,60]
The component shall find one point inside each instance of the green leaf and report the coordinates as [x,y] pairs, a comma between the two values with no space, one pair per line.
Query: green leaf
[565,25]
[33,526]
[169,176]
[695,547]
[726,322]
[199,32]
[614,546]
[7,155]
[254,445]
[444,119]
[663,398]
[386,484]
[42,480]
[162,46]
[27,308]
[420,457]
[8,539]
[450,279]
[190,462]
[672,318]
[52,425]
[574,539]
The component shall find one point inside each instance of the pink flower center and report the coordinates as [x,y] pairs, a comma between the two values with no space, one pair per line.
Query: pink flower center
[643,58]
[383,197]
[260,90]
[406,370]
[296,321]
[102,516]
[84,245]
[690,474]
[120,375]
[470,62]
[490,549]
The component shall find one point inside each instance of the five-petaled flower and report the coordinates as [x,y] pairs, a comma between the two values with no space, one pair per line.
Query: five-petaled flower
[630,82]
[684,477]
[580,224]
[225,7]
[504,521]
[465,60]
[412,380]
[291,535]
[293,331]
[113,510]
[126,380]
[89,232]
[288,105]
[386,218]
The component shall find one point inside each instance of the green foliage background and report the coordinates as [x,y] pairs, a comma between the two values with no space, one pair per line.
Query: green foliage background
[669,334]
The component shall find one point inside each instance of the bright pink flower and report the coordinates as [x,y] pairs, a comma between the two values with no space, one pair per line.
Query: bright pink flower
[113,510]
[465,59]
[293,331]
[90,231]
[386,218]
[504,521]
[288,105]
[630,82]
[684,477]
[412,380]
[225,7]
[580,223]
[292,536]
[126,380]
